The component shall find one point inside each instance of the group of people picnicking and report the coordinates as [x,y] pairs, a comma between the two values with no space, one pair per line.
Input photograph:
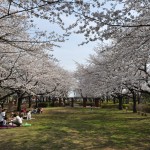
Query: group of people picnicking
[16,118]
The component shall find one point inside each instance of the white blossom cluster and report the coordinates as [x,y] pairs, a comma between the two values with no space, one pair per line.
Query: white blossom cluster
[26,64]
[121,67]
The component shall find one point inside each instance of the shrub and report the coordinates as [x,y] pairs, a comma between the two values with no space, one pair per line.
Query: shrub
[129,106]
[43,104]
[109,106]
[89,103]
[143,108]
[79,103]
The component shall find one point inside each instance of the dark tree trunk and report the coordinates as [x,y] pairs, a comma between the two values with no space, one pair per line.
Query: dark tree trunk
[29,101]
[49,100]
[114,100]
[19,100]
[64,101]
[139,98]
[19,103]
[100,103]
[103,99]
[96,102]
[2,105]
[53,101]
[127,99]
[72,102]
[120,102]
[36,102]
[84,101]
[59,101]
[134,102]
[46,98]
[107,97]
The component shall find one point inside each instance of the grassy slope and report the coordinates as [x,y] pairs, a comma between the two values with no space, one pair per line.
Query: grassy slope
[80,129]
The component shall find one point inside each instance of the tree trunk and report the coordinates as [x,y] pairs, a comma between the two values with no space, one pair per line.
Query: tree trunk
[36,102]
[46,98]
[29,101]
[19,103]
[139,98]
[84,102]
[114,100]
[120,101]
[53,101]
[96,102]
[64,101]
[43,98]
[134,102]
[59,101]
[49,100]
[72,102]
[127,99]
[2,105]
[107,97]
[100,103]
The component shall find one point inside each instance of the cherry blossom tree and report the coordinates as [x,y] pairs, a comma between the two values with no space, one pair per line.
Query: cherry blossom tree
[124,64]
[36,74]
[26,64]
[96,20]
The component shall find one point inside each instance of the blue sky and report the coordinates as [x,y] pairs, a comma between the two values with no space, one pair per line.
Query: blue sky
[69,52]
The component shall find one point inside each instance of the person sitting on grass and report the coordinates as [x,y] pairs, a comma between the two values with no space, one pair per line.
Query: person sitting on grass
[17,120]
[34,111]
[3,113]
[29,115]
[41,110]
[38,110]
[5,121]
[1,119]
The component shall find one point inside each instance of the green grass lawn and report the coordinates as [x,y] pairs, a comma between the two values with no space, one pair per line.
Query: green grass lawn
[80,129]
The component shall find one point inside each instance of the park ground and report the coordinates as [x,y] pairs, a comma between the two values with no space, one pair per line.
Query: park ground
[80,129]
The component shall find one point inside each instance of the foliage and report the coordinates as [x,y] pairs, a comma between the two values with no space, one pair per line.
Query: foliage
[43,104]
[128,106]
[109,106]
[145,97]
[27,66]
[143,108]
[122,66]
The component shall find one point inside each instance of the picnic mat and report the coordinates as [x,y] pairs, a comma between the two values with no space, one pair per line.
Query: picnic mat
[10,126]
[7,127]
[26,124]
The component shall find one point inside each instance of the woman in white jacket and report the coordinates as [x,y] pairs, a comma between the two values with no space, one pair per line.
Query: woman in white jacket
[29,115]
[17,120]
